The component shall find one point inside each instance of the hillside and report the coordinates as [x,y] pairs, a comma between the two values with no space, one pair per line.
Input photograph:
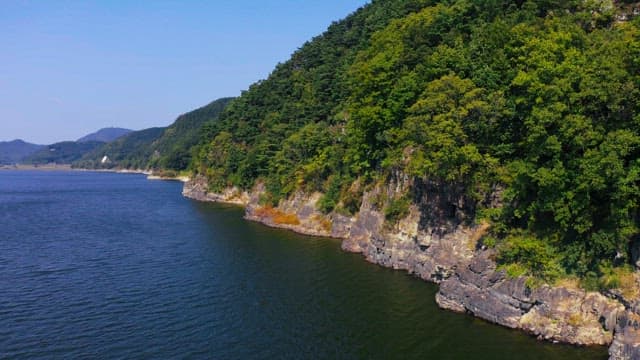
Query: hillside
[130,151]
[64,152]
[525,114]
[105,135]
[12,152]
[175,145]
[156,148]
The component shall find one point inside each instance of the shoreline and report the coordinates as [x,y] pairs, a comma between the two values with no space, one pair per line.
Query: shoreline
[182,179]
[48,167]
[469,280]
[67,167]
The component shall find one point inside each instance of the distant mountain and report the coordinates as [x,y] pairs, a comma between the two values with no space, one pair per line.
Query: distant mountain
[105,135]
[130,151]
[159,148]
[12,152]
[64,152]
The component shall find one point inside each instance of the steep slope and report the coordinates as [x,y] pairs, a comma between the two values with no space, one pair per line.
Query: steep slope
[156,148]
[174,146]
[105,135]
[12,152]
[310,88]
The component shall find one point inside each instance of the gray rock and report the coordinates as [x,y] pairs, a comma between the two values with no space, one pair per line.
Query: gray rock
[626,343]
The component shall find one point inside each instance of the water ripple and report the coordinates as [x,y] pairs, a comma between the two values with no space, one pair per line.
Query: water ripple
[111,266]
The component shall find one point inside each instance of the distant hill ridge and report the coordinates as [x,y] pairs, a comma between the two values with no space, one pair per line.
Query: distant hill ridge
[14,151]
[64,152]
[105,135]
[168,148]
[162,147]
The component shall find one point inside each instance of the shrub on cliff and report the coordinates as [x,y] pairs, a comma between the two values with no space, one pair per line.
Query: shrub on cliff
[396,209]
[532,255]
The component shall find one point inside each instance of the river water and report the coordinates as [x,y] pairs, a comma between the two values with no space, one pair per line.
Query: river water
[101,265]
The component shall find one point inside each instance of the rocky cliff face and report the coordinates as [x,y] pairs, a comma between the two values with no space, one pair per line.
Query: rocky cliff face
[551,313]
[438,243]
[198,189]
[626,341]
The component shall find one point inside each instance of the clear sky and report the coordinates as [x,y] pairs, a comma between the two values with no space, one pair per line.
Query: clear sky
[68,68]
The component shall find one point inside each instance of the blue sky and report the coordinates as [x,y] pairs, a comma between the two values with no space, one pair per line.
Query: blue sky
[68,68]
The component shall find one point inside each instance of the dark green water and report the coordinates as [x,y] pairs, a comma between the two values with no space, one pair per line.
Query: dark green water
[97,265]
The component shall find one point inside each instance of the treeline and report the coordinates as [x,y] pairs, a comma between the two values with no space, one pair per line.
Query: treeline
[539,99]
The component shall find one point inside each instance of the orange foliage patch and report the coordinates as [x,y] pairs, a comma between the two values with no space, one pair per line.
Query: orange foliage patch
[265,211]
[287,219]
[278,216]
[324,222]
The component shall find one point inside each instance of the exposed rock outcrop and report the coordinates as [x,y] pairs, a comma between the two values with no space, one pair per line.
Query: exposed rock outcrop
[297,213]
[198,189]
[626,343]
[551,313]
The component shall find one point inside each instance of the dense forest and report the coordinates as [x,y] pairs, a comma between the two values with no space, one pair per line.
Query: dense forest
[535,101]
[163,148]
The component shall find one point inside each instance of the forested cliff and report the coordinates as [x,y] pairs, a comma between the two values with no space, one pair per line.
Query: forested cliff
[487,146]
[533,103]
